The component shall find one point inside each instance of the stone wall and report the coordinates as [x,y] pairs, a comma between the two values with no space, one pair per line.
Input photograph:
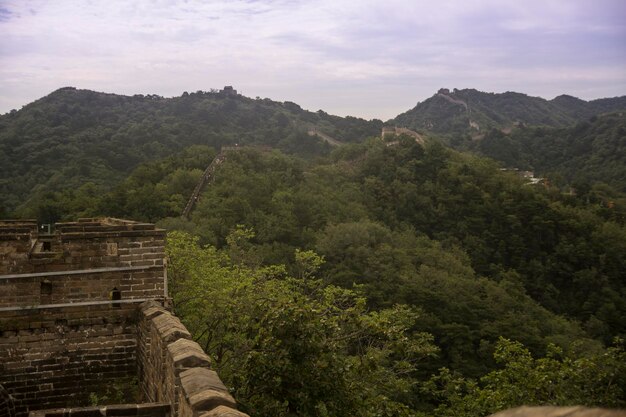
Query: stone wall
[82,261]
[86,244]
[57,357]
[120,410]
[16,241]
[175,370]
[83,307]
[560,412]
[68,308]
[29,290]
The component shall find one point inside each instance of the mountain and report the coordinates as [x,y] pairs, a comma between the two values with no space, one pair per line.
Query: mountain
[589,152]
[74,136]
[413,278]
[473,112]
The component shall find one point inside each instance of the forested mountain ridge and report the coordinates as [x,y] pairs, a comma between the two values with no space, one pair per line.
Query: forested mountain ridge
[591,152]
[75,136]
[344,260]
[475,250]
[473,112]
[377,278]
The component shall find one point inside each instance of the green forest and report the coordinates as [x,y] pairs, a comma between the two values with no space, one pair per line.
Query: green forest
[370,279]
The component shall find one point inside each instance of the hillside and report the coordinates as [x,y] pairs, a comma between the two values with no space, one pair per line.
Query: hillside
[590,152]
[376,278]
[344,260]
[72,136]
[472,112]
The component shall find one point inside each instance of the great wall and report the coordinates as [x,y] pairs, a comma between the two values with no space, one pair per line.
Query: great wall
[84,308]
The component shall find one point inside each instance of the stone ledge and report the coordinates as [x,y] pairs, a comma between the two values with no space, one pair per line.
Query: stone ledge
[104,234]
[119,410]
[208,400]
[187,354]
[223,411]
[152,312]
[170,328]
[150,304]
[195,380]
[559,412]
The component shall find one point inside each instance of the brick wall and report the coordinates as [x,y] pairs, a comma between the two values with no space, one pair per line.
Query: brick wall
[16,239]
[119,410]
[86,244]
[173,368]
[58,357]
[83,261]
[63,335]
[29,290]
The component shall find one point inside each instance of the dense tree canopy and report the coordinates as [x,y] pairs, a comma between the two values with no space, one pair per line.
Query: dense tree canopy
[376,279]
[75,136]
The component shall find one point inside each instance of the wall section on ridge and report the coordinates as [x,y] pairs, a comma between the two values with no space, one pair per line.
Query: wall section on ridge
[84,307]
[68,309]
[61,357]
[175,368]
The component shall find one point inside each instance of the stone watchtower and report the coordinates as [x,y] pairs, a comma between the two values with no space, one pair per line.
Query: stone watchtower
[83,312]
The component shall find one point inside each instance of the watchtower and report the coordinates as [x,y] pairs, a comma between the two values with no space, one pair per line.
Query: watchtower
[84,308]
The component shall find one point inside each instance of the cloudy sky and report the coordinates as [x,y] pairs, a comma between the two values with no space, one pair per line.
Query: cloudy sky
[367,58]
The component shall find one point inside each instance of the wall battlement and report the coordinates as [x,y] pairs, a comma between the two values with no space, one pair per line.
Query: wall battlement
[83,307]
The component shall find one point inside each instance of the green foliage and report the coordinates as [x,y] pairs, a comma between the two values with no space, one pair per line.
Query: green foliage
[72,136]
[293,346]
[326,277]
[427,227]
[153,191]
[590,152]
[118,391]
[557,379]
[450,113]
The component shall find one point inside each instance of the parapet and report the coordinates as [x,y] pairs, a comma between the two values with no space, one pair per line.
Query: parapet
[89,261]
[84,307]
[574,411]
[176,369]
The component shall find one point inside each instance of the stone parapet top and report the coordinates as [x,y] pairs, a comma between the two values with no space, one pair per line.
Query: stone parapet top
[170,328]
[187,354]
[209,399]
[81,271]
[118,410]
[559,412]
[222,411]
[195,380]
[198,389]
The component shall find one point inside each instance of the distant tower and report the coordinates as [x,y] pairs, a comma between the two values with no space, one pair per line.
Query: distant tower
[229,91]
[388,131]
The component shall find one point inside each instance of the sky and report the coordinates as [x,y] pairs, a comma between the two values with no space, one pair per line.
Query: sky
[365,58]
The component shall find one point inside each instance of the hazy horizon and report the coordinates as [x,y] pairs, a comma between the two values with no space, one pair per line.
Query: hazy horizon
[361,58]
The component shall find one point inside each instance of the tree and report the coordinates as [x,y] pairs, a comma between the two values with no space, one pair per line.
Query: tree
[596,379]
[294,346]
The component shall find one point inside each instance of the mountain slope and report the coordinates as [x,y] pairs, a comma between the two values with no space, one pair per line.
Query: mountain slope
[591,151]
[470,111]
[73,136]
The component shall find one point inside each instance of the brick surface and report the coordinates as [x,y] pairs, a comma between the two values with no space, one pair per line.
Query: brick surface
[560,412]
[62,336]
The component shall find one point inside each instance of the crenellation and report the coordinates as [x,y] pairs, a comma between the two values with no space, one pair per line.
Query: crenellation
[84,307]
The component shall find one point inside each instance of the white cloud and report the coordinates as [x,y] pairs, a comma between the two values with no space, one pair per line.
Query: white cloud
[347,57]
